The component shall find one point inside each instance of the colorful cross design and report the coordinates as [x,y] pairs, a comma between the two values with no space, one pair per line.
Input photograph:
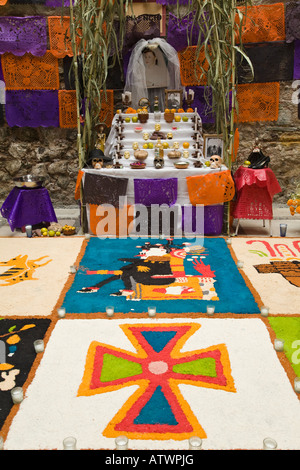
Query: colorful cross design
[157,409]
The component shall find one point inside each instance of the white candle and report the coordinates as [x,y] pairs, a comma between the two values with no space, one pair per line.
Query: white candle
[73,269]
[110,311]
[151,311]
[264,311]
[210,310]
[17,394]
[185,95]
[121,443]
[61,312]
[269,444]
[278,344]
[240,264]
[297,384]
[228,241]
[195,443]
[38,345]
[123,97]
[87,236]
[69,443]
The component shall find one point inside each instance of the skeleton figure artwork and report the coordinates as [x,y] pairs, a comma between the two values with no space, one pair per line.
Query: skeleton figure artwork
[158,272]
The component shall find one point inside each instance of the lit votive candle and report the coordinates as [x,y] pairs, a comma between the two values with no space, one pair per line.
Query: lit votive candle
[87,236]
[264,311]
[269,444]
[121,443]
[61,312]
[110,311]
[240,264]
[17,394]
[210,310]
[228,241]
[278,344]
[151,311]
[69,443]
[38,345]
[297,384]
[73,269]
[195,443]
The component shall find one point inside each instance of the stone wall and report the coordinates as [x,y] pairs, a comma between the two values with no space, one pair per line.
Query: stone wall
[51,152]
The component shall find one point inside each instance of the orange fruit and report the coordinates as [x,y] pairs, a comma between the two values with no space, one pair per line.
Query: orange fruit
[173,110]
[185,145]
[298,210]
[167,110]
[190,110]
[290,202]
[180,110]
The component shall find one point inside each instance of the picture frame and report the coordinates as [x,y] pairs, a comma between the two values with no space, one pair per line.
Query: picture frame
[213,144]
[150,7]
[173,99]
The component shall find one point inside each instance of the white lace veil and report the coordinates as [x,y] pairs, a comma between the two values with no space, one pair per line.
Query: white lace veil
[136,76]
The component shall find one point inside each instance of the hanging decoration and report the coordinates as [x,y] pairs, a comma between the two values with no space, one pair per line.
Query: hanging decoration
[258,102]
[193,66]
[271,61]
[182,32]
[68,109]
[21,35]
[59,36]
[296,73]
[262,23]
[32,108]
[29,72]
[292,21]
[202,100]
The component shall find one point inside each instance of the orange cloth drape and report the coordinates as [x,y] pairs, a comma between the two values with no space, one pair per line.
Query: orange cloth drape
[77,186]
[28,72]
[258,101]
[117,230]
[212,188]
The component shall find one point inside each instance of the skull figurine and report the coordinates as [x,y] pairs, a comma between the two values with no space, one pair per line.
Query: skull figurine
[97,163]
[215,161]
[159,162]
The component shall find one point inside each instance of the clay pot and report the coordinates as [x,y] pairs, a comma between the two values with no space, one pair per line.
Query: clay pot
[143,117]
[169,117]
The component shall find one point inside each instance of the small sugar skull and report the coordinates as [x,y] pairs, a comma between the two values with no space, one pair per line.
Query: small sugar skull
[135,146]
[146,135]
[176,145]
[97,163]
[186,154]
[157,127]
[169,135]
[215,161]
[126,154]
